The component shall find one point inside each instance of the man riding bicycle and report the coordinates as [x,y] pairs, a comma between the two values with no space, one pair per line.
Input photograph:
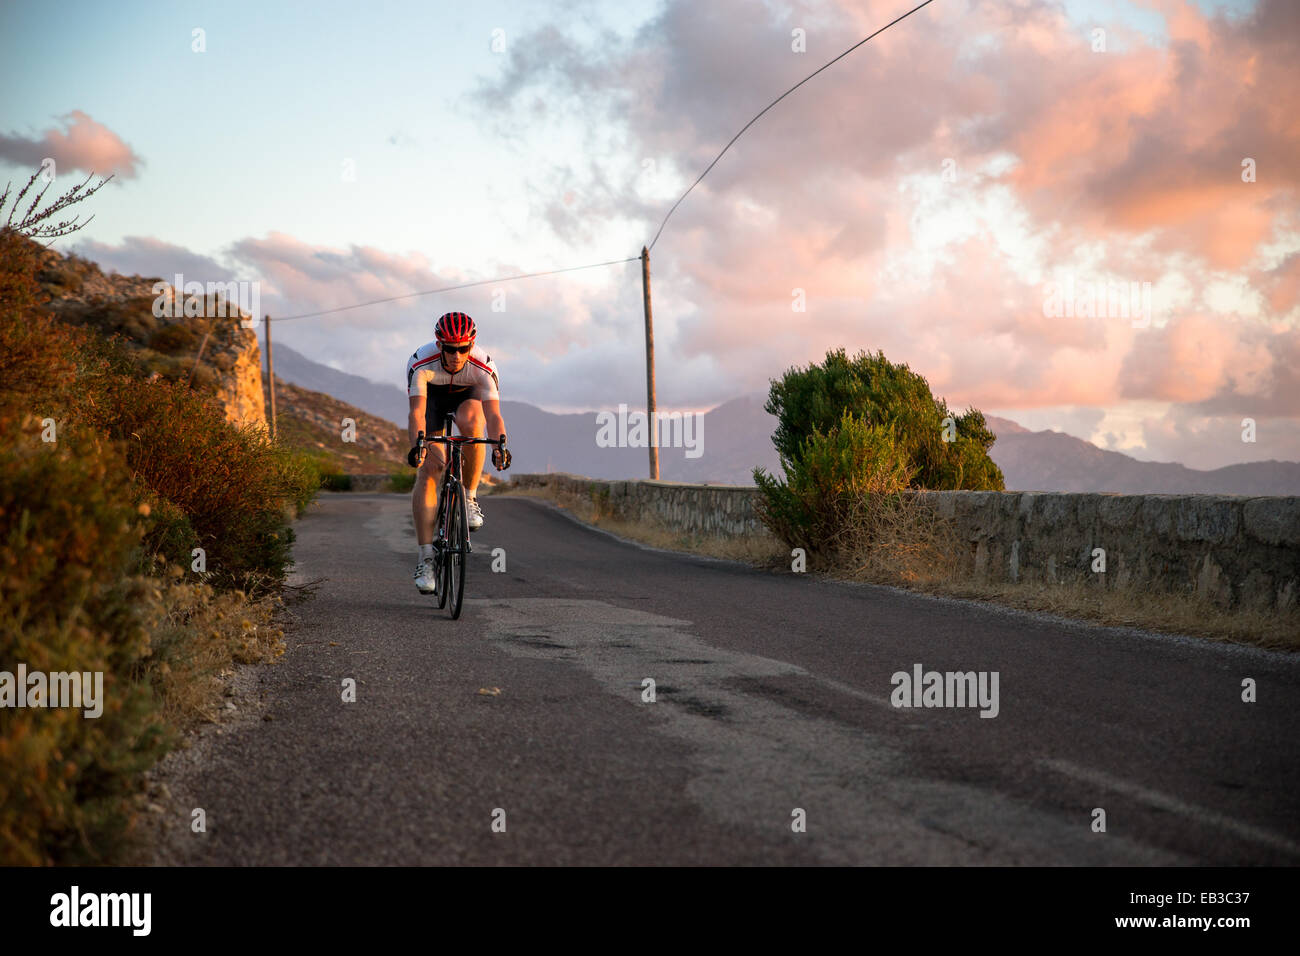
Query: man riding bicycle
[449,375]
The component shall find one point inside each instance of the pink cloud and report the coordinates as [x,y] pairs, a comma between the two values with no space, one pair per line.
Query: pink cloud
[1142,142]
[1155,137]
[83,144]
[1208,360]
[1282,285]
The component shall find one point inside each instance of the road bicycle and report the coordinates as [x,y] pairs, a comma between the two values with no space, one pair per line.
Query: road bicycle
[451,545]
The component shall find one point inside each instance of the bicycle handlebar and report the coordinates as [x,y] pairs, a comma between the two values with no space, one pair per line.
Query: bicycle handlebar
[421,441]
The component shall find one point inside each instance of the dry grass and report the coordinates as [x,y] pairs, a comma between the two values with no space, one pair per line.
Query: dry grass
[1166,612]
[903,543]
[198,636]
[763,550]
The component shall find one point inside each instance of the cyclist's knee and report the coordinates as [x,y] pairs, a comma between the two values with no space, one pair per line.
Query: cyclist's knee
[470,418]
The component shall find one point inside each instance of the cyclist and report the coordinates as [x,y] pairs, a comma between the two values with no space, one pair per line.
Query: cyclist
[449,374]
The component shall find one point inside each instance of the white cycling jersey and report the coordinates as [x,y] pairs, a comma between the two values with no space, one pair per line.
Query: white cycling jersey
[426,376]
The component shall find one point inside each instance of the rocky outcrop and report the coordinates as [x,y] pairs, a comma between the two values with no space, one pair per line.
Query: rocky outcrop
[240,388]
[210,347]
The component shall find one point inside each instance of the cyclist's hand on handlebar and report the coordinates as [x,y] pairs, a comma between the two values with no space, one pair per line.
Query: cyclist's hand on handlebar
[415,457]
[501,455]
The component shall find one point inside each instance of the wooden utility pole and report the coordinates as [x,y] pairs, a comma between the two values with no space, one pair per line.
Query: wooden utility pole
[270,374]
[198,358]
[649,365]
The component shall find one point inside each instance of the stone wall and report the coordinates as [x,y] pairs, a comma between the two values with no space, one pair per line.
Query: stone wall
[715,510]
[1235,550]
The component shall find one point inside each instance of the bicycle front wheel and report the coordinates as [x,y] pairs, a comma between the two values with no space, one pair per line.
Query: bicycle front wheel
[440,572]
[457,551]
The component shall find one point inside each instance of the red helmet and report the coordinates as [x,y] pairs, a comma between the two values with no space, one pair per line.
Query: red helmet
[455,327]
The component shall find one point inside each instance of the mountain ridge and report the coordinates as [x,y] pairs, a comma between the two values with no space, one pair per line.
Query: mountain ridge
[736,437]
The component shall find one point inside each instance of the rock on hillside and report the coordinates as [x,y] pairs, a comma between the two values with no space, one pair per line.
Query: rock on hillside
[216,354]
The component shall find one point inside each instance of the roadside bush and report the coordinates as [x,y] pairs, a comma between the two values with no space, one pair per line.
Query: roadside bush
[336,481]
[168,533]
[206,483]
[852,436]
[813,399]
[108,480]
[401,479]
[175,338]
[68,538]
[301,476]
[231,483]
[105,474]
[838,480]
[329,474]
[19,261]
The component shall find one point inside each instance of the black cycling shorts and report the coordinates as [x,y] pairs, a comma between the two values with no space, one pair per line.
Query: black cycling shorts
[440,404]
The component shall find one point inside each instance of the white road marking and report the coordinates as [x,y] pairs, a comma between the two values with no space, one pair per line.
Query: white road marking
[1164,801]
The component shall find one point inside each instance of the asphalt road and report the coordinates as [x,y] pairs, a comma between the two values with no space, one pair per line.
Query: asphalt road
[772,696]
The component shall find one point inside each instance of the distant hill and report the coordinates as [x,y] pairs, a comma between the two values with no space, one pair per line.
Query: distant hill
[737,435]
[542,440]
[1053,461]
[313,422]
[382,401]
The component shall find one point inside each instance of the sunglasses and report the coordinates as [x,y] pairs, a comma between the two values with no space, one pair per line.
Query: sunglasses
[458,349]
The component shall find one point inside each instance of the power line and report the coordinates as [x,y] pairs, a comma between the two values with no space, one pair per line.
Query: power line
[773,103]
[612,262]
[453,288]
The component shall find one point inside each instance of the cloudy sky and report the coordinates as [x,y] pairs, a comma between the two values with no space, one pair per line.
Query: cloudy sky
[936,194]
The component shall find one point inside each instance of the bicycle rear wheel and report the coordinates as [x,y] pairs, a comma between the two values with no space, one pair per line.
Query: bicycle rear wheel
[457,551]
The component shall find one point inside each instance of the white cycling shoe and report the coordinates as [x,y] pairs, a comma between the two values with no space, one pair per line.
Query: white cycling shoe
[426,578]
[473,514]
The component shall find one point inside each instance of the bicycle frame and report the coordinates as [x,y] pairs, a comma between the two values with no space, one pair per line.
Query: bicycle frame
[452,494]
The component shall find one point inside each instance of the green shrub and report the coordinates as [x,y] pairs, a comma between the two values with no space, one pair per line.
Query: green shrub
[168,535]
[37,355]
[139,474]
[231,483]
[813,399]
[852,435]
[837,479]
[68,538]
[329,474]
[336,481]
[178,337]
[300,474]
[402,480]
